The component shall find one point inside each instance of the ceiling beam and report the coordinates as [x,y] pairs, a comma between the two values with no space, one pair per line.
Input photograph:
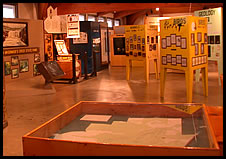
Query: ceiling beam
[72,8]
[124,13]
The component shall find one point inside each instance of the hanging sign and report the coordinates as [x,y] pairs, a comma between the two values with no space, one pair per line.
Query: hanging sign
[73,29]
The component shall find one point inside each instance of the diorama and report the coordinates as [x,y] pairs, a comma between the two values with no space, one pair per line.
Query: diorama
[124,129]
[184,47]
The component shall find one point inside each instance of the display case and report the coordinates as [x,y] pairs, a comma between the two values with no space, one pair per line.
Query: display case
[140,43]
[125,129]
[184,47]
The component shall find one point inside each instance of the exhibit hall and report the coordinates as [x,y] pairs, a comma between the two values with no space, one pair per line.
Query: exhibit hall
[112,79]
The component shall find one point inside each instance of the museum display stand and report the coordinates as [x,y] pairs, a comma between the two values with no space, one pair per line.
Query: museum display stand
[215,37]
[184,47]
[140,46]
[91,128]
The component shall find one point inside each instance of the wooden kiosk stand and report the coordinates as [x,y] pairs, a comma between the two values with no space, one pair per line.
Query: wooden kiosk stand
[140,46]
[69,63]
[184,47]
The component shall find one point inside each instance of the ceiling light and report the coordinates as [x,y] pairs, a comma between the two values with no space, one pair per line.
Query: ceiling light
[157,9]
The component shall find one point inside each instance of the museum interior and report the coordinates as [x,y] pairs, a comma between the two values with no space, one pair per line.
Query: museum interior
[112,79]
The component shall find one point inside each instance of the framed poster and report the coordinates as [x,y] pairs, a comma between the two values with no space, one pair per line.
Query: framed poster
[164,62]
[192,39]
[154,46]
[179,59]
[37,57]
[202,48]
[14,60]
[184,62]
[147,39]
[134,37]
[174,61]
[173,38]
[212,39]
[138,46]
[7,66]
[73,29]
[138,39]
[150,47]
[168,41]
[152,40]
[217,39]
[143,48]
[35,70]
[196,49]
[168,58]
[199,36]
[163,43]
[15,73]
[178,41]
[143,41]
[193,61]
[15,34]
[24,66]
[183,43]
[205,38]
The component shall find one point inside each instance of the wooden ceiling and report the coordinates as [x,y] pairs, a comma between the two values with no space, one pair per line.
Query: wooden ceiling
[120,10]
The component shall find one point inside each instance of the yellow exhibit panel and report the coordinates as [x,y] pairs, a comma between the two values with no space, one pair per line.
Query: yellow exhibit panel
[141,45]
[184,46]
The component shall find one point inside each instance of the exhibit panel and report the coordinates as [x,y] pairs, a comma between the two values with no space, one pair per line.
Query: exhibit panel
[21,49]
[215,37]
[104,128]
[184,47]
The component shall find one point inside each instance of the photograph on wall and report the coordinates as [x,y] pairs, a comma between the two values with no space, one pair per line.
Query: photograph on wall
[143,48]
[131,46]
[212,39]
[193,61]
[168,41]
[147,39]
[138,46]
[150,47]
[173,38]
[37,57]
[179,59]
[134,37]
[143,41]
[202,48]
[14,60]
[184,62]
[168,58]
[15,73]
[156,40]
[196,60]
[138,39]
[183,43]
[154,47]
[200,60]
[192,39]
[7,65]
[164,62]
[24,67]
[174,61]
[178,41]
[131,39]
[35,70]
[196,49]
[163,43]
[152,40]
[199,36]
[217,39]
[205,38]
[15,34]
[82,40]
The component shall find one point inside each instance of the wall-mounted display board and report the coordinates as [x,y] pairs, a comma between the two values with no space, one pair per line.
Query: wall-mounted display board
[139,43]
[184,47]
[215,37]
[73,30]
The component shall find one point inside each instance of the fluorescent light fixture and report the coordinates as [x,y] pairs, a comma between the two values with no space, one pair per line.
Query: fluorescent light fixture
[157,9]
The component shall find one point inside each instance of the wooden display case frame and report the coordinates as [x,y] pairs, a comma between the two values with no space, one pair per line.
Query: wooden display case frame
[38,143]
